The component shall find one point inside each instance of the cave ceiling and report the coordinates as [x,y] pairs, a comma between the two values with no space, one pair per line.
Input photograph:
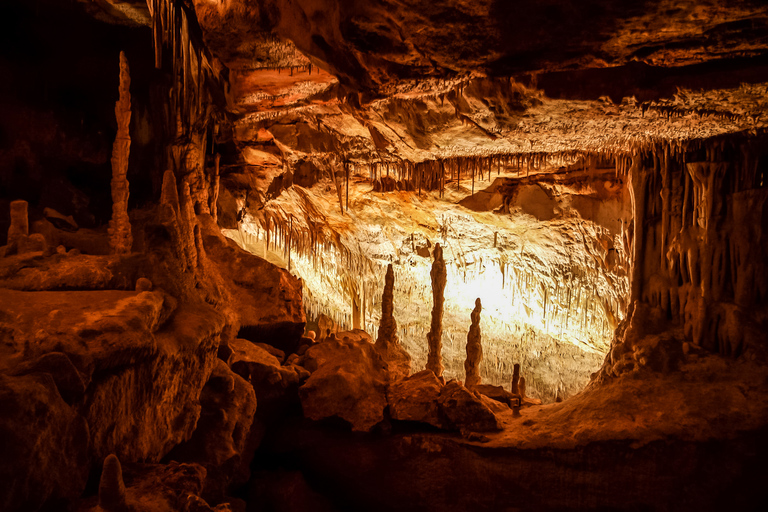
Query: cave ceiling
[476,102]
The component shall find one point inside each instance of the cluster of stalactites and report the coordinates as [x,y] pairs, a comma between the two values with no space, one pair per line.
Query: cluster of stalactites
[190,64]
[702,250]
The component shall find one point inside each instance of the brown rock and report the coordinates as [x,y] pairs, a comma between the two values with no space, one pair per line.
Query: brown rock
[43,441]
[349,380]
[465,410]
[497,393]
[228,404]
[66,377]
[112,487]
[416,398]
[143,284]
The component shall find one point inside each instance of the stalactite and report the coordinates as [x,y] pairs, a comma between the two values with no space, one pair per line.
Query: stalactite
[120,238]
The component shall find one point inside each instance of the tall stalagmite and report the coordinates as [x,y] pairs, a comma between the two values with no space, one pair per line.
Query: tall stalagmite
[120,238]
[474,348]
[388,343]
[388,324]
[435,335]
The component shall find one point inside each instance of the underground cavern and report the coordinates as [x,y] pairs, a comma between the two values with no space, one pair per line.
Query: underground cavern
[383,255]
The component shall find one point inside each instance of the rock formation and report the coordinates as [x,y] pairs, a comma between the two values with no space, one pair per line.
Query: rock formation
[120,238]
[388,343]
[112,487]
[515,387]
[435,335]
[474,349]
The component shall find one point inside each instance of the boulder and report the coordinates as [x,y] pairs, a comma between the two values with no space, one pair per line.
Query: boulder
[349,380]
[498,394]
[269,298]
[416,398]
[466,410]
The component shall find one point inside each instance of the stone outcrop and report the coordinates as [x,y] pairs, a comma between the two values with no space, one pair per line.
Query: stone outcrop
[435,335]
[220,439]
[45,443]
[388,343]
[466,410]
[416,399]
[349,380]
[120,239]
[474,349]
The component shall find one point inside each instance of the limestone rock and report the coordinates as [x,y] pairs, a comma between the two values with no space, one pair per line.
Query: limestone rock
[130,487]
[66,377]
[223,441]
[465,410]
[228,404]
[269,298]
[43,441]
[349,380]
[497,393]
[416,398]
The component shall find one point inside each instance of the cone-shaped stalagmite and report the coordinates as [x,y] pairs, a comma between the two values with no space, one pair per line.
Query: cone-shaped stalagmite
[474,349]
[388,343]
[111,486]
[435,335]
[120,239]
[388,325]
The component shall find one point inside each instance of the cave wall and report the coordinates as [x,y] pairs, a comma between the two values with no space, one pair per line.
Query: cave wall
[699,250]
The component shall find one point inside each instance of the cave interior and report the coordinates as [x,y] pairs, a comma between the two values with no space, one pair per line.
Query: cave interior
[378,255]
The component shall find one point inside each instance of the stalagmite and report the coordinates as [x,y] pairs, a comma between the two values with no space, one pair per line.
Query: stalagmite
[19,228]
[521,388]
[515,388]
[474,348]
[435,335]
[111,486]
[388,324]
[387,342]
[120,239]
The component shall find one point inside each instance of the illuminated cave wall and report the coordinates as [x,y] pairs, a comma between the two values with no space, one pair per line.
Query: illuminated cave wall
[547,255]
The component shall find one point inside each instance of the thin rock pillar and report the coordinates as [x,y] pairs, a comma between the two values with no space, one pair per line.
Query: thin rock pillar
[120,238]
[435,335]
[474,349]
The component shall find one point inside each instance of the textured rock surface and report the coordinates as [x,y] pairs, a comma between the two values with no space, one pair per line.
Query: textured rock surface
[416,399]
[349,380]
[466,410]
[45,443]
